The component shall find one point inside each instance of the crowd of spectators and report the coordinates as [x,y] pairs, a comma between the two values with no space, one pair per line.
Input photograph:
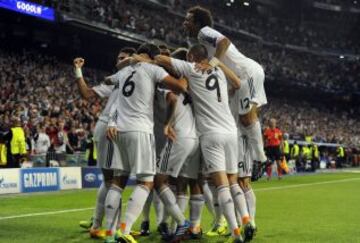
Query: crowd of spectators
[334,74]
[40,92]
[300,119]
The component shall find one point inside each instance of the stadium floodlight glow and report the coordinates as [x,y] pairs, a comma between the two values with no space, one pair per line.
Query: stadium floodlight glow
[246,4]
[228,4]
[232,1]
[29,8]
[341,57]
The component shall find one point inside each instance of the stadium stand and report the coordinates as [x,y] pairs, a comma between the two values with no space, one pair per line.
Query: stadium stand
[287,48]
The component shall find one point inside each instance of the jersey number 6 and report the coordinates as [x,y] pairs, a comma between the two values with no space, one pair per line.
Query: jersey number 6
[129,86]
[213,85]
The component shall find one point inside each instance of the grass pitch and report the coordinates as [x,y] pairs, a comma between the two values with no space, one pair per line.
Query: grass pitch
[310,208]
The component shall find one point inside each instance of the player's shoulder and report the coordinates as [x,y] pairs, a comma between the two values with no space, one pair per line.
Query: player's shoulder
[148,66]
[206,30]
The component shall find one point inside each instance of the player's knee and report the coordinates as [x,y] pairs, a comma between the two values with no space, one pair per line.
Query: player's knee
[219,179]
[245,183]
[195,187]
[233,179]
[160,180]
[108,176]
[181,185]
[146,180]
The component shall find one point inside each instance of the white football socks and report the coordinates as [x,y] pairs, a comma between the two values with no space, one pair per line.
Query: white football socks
[227,205]
[112,207]
[196,205]
[251,203]
[169,201]
[240,202]
[100,205]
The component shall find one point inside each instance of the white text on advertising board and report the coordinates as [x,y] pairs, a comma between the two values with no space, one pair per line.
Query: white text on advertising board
[40,179]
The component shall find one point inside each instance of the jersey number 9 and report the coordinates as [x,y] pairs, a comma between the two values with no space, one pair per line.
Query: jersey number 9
[212,83]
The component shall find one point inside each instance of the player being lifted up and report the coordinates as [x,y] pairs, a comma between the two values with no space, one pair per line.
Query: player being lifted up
[103,146]
[131,128]
[245,102]
[215,124]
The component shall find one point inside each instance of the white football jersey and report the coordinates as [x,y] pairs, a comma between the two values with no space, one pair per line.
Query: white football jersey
[184,121]
[106,91]
[233,58]
[209,93]
[134,106]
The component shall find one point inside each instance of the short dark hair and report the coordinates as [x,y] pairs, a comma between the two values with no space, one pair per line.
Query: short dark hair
[128,50]
[180,53]
[199,52]
[163,46]
[202,16]
[150,49]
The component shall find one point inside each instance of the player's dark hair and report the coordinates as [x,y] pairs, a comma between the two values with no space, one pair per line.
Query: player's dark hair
[199,52]
[163,46]
[150,49]
[202,16]
[128,50]
[180,53]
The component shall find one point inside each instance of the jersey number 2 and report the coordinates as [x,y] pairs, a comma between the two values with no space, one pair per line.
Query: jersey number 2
[245,103]
[129,86]
[213,85]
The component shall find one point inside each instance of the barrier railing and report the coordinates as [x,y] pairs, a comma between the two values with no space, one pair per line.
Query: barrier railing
[44,160]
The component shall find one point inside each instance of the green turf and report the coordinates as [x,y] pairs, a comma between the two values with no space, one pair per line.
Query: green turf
[288,211]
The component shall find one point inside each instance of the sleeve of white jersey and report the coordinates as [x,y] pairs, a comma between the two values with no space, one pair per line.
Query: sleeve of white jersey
[113,116]
[113,78]
[158,73]
[210,36]
[181,67]
[103,90]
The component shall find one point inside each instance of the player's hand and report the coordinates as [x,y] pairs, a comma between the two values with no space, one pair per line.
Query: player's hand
[169,132]
[202,67]
[111,133]
[79,62]
[232,91]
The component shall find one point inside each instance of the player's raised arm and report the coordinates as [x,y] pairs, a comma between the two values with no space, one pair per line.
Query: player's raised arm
[230,75]
[85,91]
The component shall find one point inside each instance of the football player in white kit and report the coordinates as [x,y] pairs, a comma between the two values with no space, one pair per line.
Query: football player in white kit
[131,128]
[245,102]
[106,152]
[215,124]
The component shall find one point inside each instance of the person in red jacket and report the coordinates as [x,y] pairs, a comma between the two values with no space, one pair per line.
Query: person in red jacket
[273,142]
